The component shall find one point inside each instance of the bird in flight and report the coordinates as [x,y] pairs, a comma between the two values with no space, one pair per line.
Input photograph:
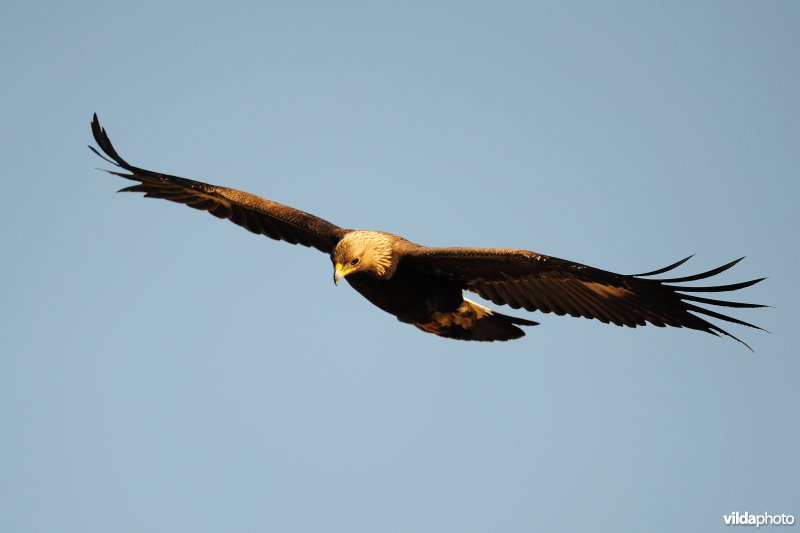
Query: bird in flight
[424,286]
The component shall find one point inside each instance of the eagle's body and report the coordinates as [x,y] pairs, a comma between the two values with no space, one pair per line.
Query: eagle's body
[424,286]
[435,304]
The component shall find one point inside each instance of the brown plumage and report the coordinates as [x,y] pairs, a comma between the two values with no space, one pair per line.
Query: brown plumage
[424,286]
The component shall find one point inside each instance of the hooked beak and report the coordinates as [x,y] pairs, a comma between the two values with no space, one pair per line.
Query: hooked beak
[339,271]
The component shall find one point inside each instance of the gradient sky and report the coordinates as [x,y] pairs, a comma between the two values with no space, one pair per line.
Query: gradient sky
[166,371]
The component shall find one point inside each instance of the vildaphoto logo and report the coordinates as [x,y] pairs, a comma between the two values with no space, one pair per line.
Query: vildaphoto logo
[765,519]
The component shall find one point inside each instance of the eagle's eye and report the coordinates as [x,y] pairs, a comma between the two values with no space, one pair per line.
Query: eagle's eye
[354,262]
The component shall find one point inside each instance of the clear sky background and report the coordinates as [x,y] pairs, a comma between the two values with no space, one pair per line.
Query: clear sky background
[162,370]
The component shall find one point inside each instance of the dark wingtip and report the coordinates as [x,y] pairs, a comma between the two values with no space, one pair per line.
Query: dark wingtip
[716,330]
[741,341]
[666,268]
[716,288]
[102,140]
[680,291]
[101,156]
[703,275]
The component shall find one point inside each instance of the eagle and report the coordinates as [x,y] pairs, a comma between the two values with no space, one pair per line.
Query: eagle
[425,286]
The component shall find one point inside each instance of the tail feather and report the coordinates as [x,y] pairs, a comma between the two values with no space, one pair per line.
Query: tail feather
[474,322]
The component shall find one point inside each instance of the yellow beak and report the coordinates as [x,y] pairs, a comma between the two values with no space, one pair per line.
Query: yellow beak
[339,271]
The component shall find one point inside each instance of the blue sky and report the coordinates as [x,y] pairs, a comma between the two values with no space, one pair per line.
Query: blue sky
[166,371]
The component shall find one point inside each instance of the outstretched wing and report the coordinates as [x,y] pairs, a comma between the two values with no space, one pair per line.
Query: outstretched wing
[520,278]
[259,215]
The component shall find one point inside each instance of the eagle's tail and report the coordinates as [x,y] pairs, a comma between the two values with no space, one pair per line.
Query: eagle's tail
[474,322]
